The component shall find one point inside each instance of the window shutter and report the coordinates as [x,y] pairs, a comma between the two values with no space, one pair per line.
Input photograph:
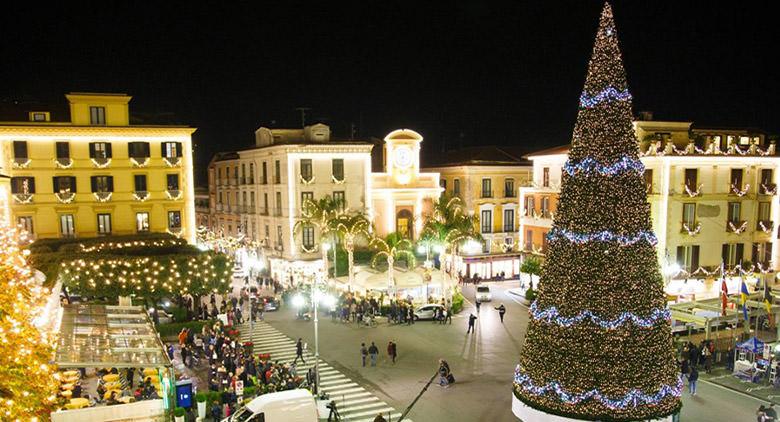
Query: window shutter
[146,150]
[110,183]
[725,253]
[31,184]
[680,256]
[740,252]
[93,182]
[91,150]
[108,150]
[55,184]
[131,149]
[695,258]
[73,184]
[178,149]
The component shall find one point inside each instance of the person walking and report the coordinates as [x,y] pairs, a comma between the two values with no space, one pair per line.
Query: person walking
[449,315]
[472,318]
[693,377]
[299,351]
[771,413]
[501,311]
[478,303]
[380,418]
[363,353]
[444,374]
[392,350]
[373,352]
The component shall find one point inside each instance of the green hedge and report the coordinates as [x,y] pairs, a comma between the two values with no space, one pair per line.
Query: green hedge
[530,295]
[457,302]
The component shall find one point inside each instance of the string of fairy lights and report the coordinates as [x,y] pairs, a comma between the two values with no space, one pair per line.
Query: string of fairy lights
[26,372]
[599,343]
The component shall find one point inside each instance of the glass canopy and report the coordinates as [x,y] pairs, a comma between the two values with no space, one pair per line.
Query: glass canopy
[108,336]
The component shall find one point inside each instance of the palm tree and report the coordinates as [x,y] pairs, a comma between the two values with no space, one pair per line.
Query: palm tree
[449,226]
[322,214]
[393,247]
[350,227]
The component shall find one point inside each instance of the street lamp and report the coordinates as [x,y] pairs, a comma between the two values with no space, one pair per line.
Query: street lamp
[329,301]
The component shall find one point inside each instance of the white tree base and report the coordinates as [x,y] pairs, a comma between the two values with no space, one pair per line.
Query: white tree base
[528,414]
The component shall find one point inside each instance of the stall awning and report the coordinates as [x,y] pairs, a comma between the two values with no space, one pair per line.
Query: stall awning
[106,336]
[753,345]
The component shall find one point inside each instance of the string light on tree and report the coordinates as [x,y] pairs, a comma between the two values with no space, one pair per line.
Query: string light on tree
[599,343]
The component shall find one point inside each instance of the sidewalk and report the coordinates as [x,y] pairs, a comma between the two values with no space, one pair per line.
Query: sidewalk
[721,377]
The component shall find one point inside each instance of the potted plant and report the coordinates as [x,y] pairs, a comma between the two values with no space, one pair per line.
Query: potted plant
[201,399]
[178,414]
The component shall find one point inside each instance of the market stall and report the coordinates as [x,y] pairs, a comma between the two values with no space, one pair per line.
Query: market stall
[98,345]
[419,283]
[749,361]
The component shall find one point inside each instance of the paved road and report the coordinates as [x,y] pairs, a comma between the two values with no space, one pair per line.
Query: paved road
[482,363]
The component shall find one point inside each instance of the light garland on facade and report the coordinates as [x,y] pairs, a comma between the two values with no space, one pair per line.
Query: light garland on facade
[765,228]
[632,399]
[172,161]
[609,94]
[102,196]
[740,192]
[23,198]
[63,163]
[119,245]
[141,196]
[768,190]
[337,181]
[692,193]
[175,232]
[603,236]
[101,165]
[694,231]
[174,195]
[22,164]
[655,150]
[306,182]
[737,230]
[139,164]
[590,165]
[551,315]
[66,196]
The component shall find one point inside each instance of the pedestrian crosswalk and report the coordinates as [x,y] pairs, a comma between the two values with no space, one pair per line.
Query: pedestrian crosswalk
[353,402]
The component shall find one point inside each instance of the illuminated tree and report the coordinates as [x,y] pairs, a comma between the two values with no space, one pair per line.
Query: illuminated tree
[449,226]
[599,344]
[27,388]
[392,248]
[350,227]
[322,214]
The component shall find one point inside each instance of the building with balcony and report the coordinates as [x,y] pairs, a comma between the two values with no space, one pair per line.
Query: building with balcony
[487,180]
[712,194]
[258,192]
[95,174]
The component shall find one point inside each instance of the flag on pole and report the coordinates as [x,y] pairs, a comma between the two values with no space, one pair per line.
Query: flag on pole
[743,293]
[768,304]
[724,295]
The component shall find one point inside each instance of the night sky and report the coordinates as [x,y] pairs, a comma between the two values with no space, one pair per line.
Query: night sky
[461,73]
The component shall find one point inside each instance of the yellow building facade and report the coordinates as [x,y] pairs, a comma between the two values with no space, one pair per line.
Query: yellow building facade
[97,174]
[487,180]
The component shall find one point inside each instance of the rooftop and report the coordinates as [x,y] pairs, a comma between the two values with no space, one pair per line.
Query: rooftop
[481,156]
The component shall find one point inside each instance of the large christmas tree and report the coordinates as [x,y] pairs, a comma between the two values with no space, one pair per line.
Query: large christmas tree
[599,344]
[27,386]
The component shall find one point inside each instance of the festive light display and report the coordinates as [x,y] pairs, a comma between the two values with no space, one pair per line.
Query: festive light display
[632,398]
[101,164]
[551,315]
[119,245]
[599,344]
[590,165]
[607,94]
[27,382]
[602,236]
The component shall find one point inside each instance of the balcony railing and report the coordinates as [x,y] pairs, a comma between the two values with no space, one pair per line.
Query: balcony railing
[23,198]
[739,190]
[174,194]
[736,226]
[692,189]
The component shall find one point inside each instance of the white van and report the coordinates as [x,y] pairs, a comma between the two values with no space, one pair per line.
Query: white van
[285,406]
[483,294]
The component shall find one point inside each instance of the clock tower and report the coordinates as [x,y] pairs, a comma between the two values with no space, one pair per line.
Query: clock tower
[401,195]
[402,154]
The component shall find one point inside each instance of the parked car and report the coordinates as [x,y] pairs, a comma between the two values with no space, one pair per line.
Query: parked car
[483,294]
[427,311]
[269,303]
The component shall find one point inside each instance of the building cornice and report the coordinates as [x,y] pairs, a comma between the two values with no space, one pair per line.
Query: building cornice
[56,131]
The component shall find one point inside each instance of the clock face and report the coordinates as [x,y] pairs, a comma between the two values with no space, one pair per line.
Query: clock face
[403,157]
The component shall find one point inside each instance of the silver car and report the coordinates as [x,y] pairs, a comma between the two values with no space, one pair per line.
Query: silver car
[428,311]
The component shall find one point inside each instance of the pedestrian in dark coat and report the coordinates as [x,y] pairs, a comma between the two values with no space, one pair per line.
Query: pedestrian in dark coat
[472,318]
[392,350]
[501,311]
